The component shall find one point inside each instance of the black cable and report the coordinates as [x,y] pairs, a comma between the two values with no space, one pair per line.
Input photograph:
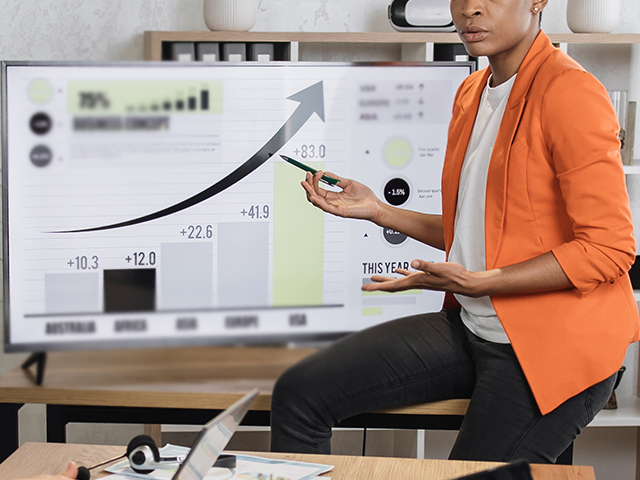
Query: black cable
[108,461]
[84,473]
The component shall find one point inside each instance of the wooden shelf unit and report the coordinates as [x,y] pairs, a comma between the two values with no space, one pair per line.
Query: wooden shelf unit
[154,40]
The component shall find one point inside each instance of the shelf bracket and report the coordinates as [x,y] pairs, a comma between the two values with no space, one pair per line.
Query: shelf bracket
[294,51]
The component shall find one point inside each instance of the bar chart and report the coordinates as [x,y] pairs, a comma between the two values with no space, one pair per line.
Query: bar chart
[291,275]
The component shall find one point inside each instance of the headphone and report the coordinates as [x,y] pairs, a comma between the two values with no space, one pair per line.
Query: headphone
[144,457]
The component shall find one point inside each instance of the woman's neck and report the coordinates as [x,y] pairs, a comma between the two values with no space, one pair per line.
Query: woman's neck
[506,64]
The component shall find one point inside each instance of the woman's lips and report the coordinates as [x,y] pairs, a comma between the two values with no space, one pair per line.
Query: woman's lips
[474,35]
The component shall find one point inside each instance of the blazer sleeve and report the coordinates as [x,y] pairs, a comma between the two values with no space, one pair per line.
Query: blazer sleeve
[580,130]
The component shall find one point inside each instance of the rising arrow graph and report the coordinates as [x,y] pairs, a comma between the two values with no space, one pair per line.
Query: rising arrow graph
[311,100]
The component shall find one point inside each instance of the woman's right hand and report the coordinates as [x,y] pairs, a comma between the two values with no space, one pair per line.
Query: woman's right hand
[354,201]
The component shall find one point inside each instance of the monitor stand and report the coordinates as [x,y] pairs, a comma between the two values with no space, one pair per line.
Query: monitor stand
[40,359]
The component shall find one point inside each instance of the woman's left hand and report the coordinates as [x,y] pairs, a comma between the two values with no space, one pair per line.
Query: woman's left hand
[443,277]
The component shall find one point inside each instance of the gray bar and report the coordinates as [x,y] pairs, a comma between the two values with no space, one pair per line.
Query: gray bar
[186,276]
[72,293]
[243,264]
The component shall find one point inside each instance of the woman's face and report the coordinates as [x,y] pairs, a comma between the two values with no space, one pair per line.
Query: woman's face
[496,27]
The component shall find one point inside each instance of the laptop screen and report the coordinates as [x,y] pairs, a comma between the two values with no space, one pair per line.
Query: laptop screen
[212,440]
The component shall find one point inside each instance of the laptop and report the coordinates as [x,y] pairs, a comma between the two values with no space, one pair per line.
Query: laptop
[212,440]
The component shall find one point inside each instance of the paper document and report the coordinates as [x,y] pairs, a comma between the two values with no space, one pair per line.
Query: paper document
[248,467]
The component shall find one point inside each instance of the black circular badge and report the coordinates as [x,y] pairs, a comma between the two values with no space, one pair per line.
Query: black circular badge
[397,191]
[41,155]
[40,123]
[393,237]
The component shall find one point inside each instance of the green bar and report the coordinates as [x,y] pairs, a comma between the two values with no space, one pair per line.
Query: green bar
[99,97]
[371,311]
[298,242]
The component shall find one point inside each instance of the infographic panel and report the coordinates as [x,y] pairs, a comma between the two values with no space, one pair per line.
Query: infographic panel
[150,204]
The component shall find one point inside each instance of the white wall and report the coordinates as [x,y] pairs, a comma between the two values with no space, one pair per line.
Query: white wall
[112,30]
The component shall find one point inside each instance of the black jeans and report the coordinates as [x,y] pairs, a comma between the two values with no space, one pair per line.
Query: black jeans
[425,358]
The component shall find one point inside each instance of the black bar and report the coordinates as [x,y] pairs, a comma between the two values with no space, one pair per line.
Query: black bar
[204,99]
[9,420]
[130,289]
[566,457]
[61,415]
[166,106]
[57,420]
[179,104]
[192,103]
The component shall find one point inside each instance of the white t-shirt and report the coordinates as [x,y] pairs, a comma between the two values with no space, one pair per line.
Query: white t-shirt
[468,246]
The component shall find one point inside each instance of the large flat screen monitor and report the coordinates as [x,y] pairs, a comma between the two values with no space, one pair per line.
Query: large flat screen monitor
[147,204]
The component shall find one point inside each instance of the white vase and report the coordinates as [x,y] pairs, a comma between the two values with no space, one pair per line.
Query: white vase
[593,16]
[237,15]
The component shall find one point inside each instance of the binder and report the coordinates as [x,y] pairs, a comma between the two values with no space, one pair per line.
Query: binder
[183,51]
[208,52]
[234,52]
[261,52]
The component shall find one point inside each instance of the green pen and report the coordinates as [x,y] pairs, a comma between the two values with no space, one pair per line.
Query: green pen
[307,168]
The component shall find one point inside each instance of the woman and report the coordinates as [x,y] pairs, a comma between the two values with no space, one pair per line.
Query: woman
[539,310]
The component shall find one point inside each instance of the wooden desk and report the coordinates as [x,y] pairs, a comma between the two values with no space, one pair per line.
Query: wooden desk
[36,458]
[174,386]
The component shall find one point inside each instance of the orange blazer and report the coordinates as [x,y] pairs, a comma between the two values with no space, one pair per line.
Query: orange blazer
[556,184]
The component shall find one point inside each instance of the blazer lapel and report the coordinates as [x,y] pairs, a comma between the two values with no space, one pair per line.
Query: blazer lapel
[497,175]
